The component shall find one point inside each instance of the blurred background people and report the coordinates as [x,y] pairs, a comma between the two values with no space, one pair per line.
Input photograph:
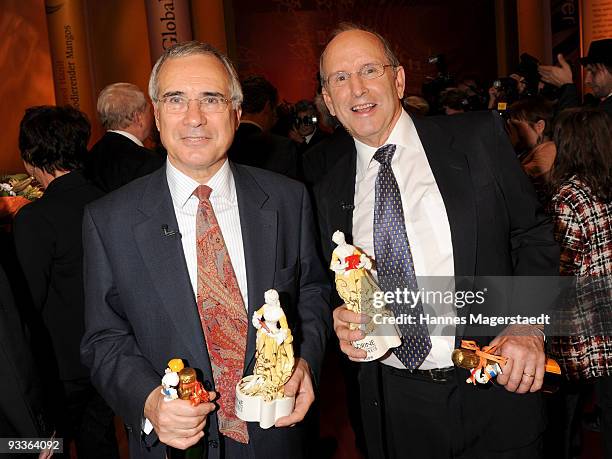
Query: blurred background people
[531,120]
[305,131]
[597,76]
[453,101]
[120,156]
[53,141]
[254,144]
[415,105]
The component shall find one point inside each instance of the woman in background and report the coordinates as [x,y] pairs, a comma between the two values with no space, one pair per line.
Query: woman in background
[531,119]
[581,207]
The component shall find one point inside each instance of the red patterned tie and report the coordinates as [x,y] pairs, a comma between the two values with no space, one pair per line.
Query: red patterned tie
[223,315]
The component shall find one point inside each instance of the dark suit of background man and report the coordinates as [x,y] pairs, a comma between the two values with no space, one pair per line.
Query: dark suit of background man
[254,144]
[143,295]
[119,156]
[467,211]
[305,131]
[52,141]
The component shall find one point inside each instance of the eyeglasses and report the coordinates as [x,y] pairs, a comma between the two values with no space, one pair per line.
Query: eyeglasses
[367,72]
[180,104]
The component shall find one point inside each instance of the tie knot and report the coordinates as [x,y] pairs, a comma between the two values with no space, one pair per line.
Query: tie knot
[202,192]
[384,154]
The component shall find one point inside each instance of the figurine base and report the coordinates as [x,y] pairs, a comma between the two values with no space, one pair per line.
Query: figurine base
[251,408]
[377,344]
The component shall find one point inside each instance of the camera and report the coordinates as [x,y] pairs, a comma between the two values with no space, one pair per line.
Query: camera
[305,120]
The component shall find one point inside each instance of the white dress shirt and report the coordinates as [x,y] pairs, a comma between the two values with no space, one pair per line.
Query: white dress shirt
[132,137]
[225,204]
[425,217]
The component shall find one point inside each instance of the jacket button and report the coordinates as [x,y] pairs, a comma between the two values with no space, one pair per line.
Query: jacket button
[207,385]
[213,443]
[375,403]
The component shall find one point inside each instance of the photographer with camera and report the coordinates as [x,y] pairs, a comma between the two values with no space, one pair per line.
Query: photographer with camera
[505,91]
[598,76]
[305,130]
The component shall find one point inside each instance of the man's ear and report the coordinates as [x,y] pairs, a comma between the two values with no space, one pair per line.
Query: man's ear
[139,119]
[238,112]
[328,101]
[400,81]
[539,127]
[156,115]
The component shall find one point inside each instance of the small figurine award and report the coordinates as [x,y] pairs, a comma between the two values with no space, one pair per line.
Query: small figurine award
[356,286]
[484,365]
[260,397]
[181,382]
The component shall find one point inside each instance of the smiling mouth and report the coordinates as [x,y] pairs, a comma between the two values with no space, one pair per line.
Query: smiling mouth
[195,138]
[363,108]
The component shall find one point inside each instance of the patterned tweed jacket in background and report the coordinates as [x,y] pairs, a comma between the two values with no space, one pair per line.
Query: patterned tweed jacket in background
[583,229]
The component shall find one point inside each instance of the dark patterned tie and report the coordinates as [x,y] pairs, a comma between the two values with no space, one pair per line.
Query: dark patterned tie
[222,313]
[394,263]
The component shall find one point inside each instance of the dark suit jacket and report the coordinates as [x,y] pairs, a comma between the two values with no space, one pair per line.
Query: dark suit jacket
[252,147]
[321,158]
[21,397]
[115,160]
[569,98]
[317,137]
[141,309]
[49,248]
[497,229]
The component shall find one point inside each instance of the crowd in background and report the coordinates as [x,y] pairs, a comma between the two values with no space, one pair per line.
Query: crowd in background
[563,145]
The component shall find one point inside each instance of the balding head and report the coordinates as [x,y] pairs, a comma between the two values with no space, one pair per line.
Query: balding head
[123,106]
[362,84]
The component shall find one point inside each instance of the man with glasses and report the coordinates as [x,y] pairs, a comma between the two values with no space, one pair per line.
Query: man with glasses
[177,262]
[431,197]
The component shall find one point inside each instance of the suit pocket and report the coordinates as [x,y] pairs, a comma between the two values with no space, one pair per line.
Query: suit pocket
[285,276]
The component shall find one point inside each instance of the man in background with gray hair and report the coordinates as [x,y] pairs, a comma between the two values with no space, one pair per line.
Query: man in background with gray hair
[120,156]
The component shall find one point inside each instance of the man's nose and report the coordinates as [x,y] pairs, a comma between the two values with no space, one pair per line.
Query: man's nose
[194,116]
[357,85]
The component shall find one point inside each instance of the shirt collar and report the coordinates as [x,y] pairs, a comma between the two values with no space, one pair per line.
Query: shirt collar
[132,137]
[251,122]
[403,135]
[309,137]
[182,186]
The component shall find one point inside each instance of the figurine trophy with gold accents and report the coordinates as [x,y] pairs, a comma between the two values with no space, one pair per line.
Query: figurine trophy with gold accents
[260,397]
[356,286]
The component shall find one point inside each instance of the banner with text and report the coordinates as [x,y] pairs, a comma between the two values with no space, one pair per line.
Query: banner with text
[169,22]
[69,55]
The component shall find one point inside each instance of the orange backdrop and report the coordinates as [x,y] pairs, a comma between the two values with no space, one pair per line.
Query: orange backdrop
[282,39]
[27,77]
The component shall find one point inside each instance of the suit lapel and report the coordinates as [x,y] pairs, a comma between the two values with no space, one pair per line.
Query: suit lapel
[165,261]
[259,235]
[451,171]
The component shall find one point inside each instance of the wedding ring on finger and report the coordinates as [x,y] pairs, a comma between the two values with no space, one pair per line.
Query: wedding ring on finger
[528,375]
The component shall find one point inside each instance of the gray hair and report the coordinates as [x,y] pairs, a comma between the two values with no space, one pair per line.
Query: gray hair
[119,103]
[347,27]
[192,48]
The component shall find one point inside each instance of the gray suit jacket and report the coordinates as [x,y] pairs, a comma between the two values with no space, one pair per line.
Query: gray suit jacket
[140,308]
